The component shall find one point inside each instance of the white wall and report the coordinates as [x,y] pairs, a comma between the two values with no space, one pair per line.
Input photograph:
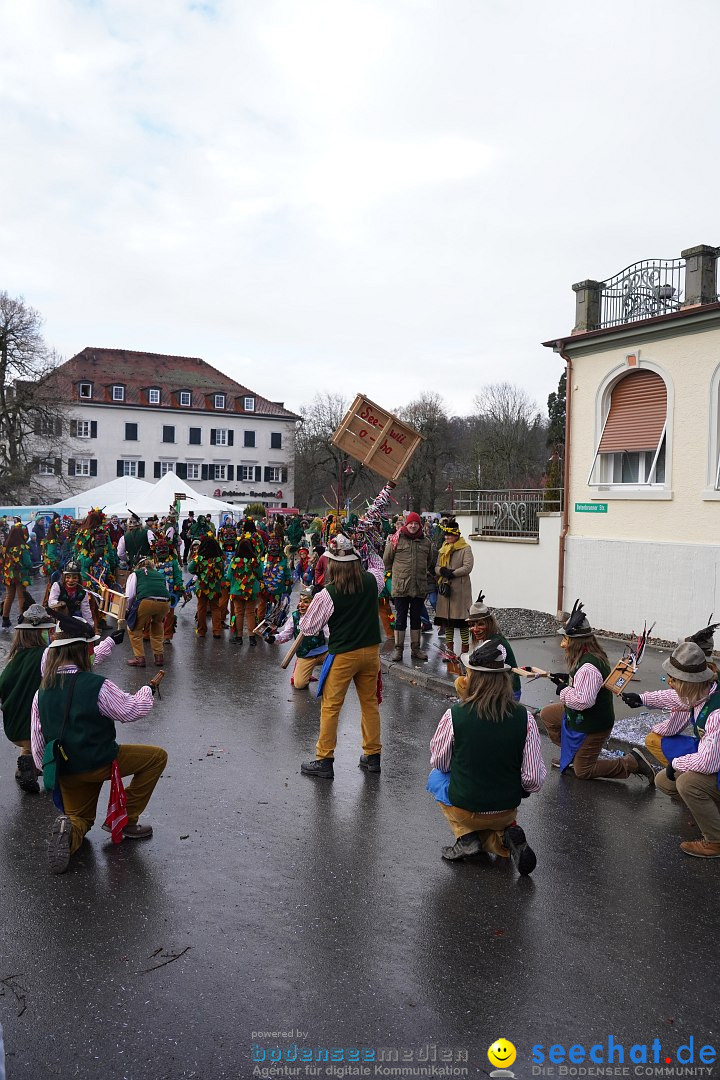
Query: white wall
[622,583]
[517,573]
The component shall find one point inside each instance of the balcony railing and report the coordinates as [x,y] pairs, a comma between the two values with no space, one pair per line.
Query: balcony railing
[512,512]
[642,291]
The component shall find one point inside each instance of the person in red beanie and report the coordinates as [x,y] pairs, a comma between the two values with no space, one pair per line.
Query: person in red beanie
[409,557]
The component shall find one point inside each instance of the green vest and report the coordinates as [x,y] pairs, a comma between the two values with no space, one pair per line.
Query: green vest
[314,641]
[89,737]
[136,545]
[151,583]
[601,715]
[355,623]
[18,683]
[698,722]
[487,759]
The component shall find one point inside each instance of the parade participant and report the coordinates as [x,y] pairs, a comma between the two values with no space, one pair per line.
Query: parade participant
[312,649]
[276,578]
[19,680]
[67,596]
[454,564]
[227,539]
[244,577]
[485,759]
[669,699]
[693,762]
[187,525]
[94,551]
[72,725]
[303,571]
[348,606]
[201,528]
[115,530]
[134,544]
[409,556]
[17,568]
[148,603]
[484,627]
[208,564]
[584,719]
[50,548]
[295,535]
[166,562]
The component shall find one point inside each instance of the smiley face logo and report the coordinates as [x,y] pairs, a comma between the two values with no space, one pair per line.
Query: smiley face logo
[502,1054]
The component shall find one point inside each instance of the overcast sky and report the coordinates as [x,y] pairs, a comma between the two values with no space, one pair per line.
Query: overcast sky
[386,196]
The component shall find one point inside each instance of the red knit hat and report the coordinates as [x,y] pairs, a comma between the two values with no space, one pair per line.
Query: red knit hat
[413,519]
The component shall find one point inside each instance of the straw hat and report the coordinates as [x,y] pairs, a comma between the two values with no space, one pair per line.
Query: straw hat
[487,657]
[687,663]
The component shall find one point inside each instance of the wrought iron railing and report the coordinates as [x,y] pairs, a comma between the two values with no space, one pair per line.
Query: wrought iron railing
[510,512]
[642,291]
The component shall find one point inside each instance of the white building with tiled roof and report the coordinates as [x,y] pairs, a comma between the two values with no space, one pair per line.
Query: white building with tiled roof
[145,414]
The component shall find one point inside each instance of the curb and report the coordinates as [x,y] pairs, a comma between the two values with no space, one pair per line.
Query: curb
[418,677]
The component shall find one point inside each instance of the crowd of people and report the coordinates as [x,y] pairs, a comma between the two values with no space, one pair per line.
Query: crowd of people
[485,755]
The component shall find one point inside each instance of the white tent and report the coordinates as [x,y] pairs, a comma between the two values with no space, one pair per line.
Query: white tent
[159,497]
[122,489]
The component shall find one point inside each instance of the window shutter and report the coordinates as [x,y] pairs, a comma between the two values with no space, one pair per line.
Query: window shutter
[205,472]
[230,437]
[283,476]
[73,429]
[266,475]
[156,470]
[231,472]
[71,466]
[141,469]
[57,466]
[258,474]
[213,436]
[58,426]
[93,429]
[181,470]
[638,408]
[120,468]
[93,467]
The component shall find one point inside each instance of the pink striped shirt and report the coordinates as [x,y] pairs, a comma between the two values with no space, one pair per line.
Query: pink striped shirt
[112,702]
[322,607]
[707,757]
[586,685]
[532,770]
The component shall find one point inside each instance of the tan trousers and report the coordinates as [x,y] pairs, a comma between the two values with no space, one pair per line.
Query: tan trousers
[203,603]
[243,609]
[14,589]
[304,667]
[653,743]
[699,792]
[151,617]
[490,826]
[360,666]
[80,791]
[587,763]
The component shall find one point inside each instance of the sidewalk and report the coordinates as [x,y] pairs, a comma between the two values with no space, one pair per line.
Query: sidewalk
[631,725]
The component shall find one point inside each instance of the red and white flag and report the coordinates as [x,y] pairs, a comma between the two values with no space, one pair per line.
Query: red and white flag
[117,818]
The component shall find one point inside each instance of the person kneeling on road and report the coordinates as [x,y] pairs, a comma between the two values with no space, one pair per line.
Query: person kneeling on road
[312,650]
[72,729]
[485,758]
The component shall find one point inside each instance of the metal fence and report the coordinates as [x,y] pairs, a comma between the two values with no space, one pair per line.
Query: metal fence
[642,291]
[511,512]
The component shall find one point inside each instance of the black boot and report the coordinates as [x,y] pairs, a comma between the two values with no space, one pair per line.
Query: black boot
[26,775]
[520,851]
[322,768]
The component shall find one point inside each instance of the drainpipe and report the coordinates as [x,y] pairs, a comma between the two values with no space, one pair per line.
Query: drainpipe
[566,480]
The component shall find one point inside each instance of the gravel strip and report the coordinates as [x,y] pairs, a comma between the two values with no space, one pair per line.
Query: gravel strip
[523,622]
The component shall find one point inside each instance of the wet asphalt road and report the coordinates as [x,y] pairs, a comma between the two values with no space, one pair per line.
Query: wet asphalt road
[269,902]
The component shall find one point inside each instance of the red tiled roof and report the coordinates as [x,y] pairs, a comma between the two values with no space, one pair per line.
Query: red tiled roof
[139,372]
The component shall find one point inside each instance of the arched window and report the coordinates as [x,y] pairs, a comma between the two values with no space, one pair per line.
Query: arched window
[632,444]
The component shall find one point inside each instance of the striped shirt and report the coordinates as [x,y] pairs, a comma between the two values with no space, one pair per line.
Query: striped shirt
[587,684]
[321,609]
[532,770]
[707,757]
[112,702]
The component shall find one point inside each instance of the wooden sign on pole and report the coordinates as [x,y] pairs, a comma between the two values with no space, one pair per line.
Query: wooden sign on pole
[377,438]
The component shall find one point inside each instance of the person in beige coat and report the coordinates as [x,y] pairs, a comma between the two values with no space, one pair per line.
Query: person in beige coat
[410,558]
[454,563]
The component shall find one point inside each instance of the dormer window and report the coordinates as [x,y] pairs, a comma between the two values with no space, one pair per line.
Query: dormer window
[185,397]
[219,401]
[249,404]
[86,390]
[118,393]
[153,397]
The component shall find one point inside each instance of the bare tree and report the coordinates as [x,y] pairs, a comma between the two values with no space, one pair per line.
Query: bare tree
[424,475]
[31,424]
[509,443]
[325,474]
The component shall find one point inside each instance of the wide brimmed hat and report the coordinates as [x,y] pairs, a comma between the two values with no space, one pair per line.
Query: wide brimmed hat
[71,628]
[479,610]
[340,549]
[35,618]
[687,663]
[487,657]
[306,593]
[704,637]
[577,625]
[71,567]
[450,526]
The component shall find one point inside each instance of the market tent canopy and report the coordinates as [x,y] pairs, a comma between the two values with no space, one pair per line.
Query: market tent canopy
[159,497]
[122,488]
